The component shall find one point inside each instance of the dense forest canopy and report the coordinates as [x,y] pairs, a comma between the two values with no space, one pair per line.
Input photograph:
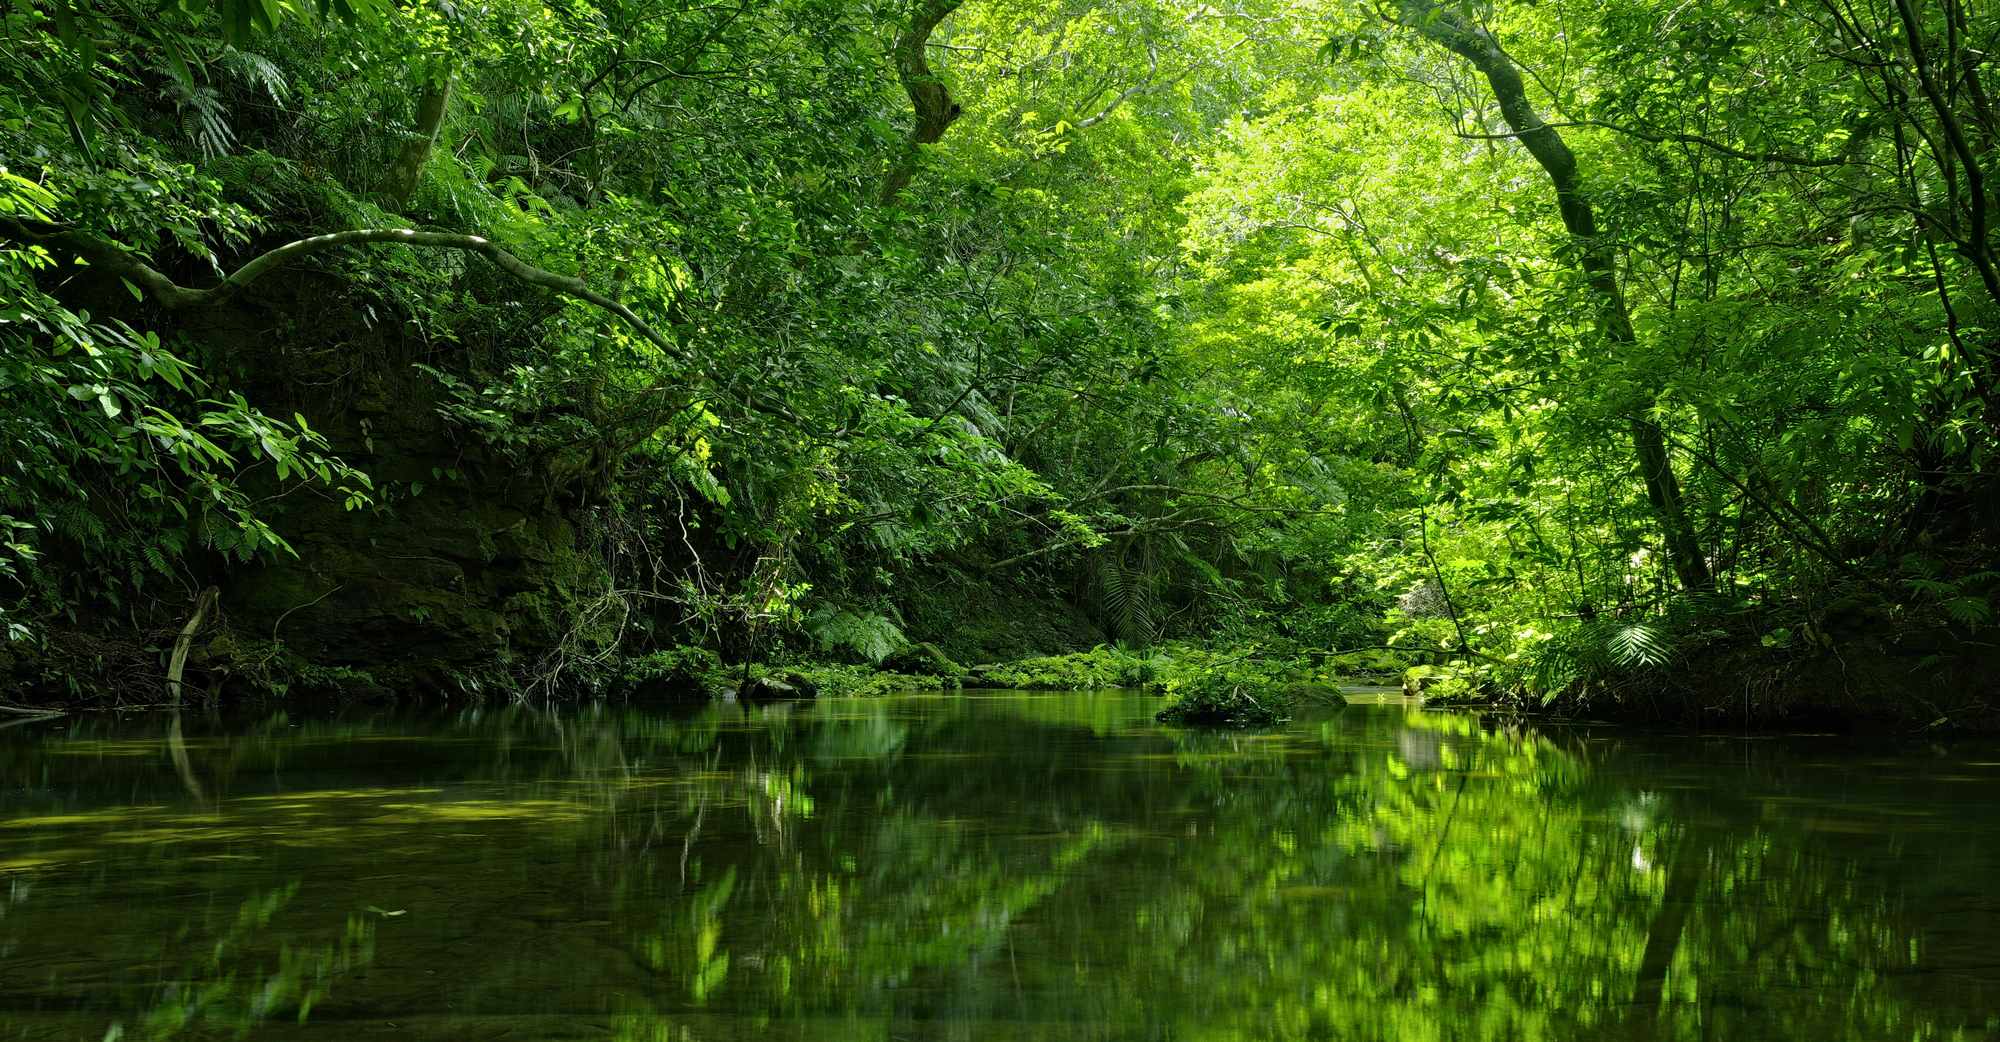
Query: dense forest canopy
[1555,348]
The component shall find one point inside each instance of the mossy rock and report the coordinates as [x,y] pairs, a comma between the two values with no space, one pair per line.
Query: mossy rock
[778,684]
[923,658]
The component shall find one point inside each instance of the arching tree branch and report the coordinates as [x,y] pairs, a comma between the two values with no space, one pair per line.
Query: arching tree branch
[116,259]
[1146,85]
[1684,139]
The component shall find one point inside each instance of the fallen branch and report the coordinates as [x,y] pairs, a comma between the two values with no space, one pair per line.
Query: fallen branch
[203,605]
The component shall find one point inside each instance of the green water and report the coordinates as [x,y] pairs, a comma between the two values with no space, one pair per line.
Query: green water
[990,866]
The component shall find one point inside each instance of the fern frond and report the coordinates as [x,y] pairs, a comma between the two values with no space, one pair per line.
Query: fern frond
[1640,645]
[257,71]
[1969,609]
[204,119]
[1127,597]
[869,635]
[72,520]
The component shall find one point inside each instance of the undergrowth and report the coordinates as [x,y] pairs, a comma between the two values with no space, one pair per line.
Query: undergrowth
[701,672]
[1245,686]
[1101,667]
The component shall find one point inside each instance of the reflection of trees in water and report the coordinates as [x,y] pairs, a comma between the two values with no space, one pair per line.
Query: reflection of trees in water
[885,864]
[1491,886]
[215,976]
[1412,878]
[861,870]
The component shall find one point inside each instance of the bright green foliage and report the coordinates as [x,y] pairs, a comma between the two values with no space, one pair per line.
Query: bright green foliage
[869,635]
[1238,689]
[862,682]
[679,665]
[1264,326]
[1083,671]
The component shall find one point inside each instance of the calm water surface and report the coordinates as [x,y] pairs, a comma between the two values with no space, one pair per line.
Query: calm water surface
[989,866]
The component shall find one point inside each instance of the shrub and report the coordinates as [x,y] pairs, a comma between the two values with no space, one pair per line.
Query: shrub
[1449,685]
[1203,688]
[679,666]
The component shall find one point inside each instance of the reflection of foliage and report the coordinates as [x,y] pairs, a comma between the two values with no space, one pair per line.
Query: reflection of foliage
[223,989]
[872,736]
[1367,876]
[687,947]
[1487,890]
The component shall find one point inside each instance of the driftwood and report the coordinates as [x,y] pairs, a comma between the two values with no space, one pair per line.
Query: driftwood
[204,606]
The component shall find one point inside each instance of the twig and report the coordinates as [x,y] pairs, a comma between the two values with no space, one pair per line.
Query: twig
[1424,536]
[288,611]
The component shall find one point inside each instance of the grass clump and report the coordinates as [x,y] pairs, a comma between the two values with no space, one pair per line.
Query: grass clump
[687,671]
[1241,689]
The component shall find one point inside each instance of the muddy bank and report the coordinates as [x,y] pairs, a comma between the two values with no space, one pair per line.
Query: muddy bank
[1934,681]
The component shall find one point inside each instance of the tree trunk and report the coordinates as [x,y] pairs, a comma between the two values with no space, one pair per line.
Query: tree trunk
[401,181]
[1669,923]
[934,108]
[1444,27]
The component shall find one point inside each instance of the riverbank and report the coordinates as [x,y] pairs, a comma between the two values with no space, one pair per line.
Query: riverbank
[1881,681]
[1887,682]
[1928,681]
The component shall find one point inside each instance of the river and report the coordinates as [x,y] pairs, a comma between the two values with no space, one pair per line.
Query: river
[987,866]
